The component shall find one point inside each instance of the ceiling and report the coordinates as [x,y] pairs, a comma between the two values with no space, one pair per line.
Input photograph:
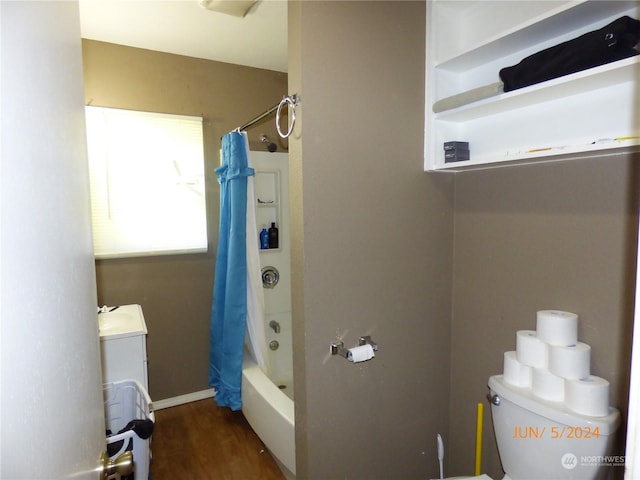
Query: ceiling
[183,27]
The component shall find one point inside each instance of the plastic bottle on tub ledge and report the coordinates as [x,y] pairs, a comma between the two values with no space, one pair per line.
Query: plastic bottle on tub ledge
[264,238]
[273,236]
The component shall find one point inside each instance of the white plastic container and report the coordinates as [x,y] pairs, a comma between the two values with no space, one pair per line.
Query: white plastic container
[124,401]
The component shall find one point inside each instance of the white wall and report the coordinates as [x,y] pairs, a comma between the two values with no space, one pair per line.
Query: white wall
[50,370]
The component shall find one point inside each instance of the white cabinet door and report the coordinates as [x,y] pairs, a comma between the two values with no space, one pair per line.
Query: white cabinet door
[124,359]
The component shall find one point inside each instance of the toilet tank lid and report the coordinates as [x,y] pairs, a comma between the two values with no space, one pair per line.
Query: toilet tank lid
[555,411]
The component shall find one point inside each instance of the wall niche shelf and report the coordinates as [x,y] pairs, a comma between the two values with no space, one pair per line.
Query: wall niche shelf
[267,190]
[577,115]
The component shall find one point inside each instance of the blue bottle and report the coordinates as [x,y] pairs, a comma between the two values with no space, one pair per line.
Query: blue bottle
[264,238]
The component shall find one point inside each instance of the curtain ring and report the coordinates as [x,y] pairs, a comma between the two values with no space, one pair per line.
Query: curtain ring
[292,111]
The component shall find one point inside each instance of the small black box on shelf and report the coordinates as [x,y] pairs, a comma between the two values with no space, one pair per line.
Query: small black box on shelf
[456,156]
[456,146]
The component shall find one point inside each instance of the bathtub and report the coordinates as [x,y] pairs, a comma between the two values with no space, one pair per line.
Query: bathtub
[270,413]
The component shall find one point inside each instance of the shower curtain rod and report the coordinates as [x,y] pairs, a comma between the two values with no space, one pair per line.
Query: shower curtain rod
[251,123]
[291,100]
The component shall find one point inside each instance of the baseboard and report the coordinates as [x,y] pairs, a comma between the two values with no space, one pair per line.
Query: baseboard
[181,399]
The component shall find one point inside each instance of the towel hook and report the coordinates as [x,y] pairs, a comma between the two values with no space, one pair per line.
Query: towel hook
[292,101]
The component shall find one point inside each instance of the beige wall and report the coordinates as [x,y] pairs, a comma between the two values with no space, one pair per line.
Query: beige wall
[528,238]
[373,254]
[377,252]
[175,291]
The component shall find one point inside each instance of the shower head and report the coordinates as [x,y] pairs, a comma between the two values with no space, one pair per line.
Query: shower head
[272,147]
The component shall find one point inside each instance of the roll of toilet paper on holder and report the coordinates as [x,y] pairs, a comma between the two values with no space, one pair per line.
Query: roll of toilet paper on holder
[361,353]
[572,362]
[588,396]
[530,350]
[556,327]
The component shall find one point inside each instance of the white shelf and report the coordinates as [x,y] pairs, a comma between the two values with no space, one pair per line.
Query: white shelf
[563,116]
[604,76]
[554,154]
[555,22]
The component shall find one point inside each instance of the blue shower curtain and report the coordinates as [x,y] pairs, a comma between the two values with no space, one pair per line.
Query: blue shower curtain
[229,311]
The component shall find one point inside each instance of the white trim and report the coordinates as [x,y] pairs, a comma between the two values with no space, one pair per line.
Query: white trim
[186,251]
[632,469]
[182,399]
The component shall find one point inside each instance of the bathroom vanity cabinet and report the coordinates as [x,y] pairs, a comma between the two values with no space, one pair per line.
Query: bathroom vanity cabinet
[123,342]
[592,112]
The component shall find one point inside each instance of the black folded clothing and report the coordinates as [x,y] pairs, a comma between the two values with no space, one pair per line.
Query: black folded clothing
[614,42]
[142,428]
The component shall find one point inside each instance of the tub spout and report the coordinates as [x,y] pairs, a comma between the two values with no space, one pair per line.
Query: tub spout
[275,326]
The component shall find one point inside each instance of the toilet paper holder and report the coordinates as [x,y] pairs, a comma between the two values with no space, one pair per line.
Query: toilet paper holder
[337,348]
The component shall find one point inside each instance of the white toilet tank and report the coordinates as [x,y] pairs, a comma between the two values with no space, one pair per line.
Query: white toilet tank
[540,439]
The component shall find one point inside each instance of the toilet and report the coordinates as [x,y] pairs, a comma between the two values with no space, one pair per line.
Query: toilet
[543,439]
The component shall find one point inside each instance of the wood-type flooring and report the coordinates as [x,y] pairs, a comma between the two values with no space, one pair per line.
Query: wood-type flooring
[201,441]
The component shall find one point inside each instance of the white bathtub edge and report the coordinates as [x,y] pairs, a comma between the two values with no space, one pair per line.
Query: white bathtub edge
[273,420]
[279,401]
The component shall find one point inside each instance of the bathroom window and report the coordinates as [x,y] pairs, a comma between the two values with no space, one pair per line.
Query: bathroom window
[147,183]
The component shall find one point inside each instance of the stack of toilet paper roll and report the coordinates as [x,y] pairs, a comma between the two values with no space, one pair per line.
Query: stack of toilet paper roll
[556,366]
